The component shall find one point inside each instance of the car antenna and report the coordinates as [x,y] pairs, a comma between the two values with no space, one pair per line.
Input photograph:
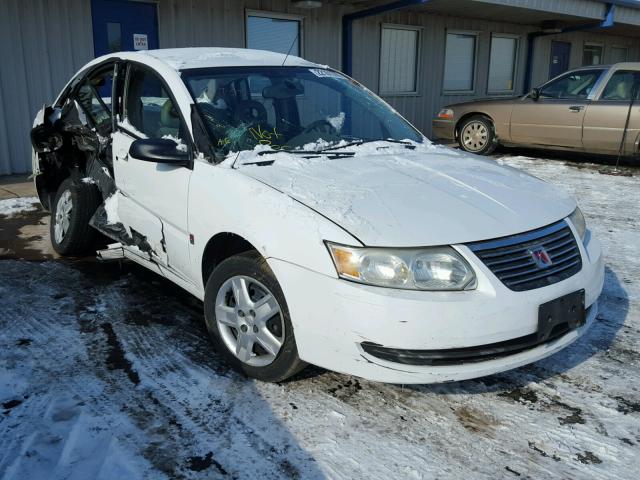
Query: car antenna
[292,44]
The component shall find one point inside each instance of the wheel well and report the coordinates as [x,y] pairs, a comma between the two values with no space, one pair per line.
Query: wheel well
[56,168]
[219,248]
[469,115]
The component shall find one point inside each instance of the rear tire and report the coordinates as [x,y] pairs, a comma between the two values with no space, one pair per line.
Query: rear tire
[72,208]
[477,135]
[248,320]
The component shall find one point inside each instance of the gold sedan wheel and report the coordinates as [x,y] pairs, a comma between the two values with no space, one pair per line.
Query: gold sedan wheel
[475,136]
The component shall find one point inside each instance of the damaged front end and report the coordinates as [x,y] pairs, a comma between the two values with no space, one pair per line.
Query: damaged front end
[66,145]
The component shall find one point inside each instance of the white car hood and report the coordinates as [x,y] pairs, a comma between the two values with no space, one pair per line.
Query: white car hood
[428,196]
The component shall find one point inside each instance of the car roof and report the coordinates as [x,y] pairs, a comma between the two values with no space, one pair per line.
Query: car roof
[615,66]
[207,57]
[626,65]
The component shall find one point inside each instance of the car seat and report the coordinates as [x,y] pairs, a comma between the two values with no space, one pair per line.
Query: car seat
[169,120]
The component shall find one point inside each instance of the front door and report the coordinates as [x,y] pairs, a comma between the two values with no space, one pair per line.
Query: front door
[123,25]
[152,197]
[555,118]
[559,60]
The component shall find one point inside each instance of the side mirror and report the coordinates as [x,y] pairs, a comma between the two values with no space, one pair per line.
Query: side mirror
[159,150]
[534,94]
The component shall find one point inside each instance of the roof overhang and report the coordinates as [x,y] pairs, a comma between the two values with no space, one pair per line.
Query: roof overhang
[525,12]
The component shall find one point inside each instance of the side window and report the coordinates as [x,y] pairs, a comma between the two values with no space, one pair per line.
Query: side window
[575,85]
[149,108]
[619,87]
[94,96]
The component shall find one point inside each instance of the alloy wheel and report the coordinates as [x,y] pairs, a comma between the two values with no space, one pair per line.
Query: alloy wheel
[249,320]
[62,219]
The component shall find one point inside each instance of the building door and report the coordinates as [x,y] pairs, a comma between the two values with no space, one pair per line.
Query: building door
[123,25]
[559,61]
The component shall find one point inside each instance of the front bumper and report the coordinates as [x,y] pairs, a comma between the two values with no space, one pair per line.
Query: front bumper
[443,129]
[333,317]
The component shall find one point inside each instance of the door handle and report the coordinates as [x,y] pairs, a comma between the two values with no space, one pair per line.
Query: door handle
[576,108]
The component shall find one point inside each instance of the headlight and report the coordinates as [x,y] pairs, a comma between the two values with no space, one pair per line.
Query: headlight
[436,268]
[445,114]
[579,223]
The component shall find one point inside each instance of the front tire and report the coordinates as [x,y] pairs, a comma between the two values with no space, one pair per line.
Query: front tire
[477,135]
[73,206]
[248,319]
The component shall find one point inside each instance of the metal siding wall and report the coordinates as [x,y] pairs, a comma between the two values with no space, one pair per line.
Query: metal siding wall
[44,43]
[221,23]
[420,109]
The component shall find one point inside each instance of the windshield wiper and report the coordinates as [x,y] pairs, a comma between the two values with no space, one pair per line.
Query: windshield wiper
[370,140]
[307,152]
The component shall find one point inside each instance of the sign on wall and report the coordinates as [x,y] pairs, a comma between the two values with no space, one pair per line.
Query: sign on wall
[140,41]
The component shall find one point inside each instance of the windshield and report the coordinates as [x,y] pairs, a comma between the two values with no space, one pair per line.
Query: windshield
[289,108]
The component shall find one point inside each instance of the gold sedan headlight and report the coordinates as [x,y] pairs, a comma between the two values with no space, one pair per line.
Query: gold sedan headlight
[445,114]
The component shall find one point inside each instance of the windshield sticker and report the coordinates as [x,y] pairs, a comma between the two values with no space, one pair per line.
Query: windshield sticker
[318,72]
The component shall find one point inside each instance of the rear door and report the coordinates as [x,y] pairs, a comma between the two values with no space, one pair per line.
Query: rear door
[606,116]
[555,118]
[152,202]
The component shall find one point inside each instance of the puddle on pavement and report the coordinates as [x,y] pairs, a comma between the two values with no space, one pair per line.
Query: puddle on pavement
[26,236]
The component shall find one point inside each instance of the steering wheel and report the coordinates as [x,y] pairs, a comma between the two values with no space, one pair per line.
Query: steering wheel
[250,112]
[320,126]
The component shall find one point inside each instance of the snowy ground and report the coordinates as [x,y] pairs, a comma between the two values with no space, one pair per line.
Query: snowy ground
[106,372]
[13,206]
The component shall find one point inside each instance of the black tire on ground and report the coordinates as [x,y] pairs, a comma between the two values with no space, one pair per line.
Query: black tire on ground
[251,264]
[79,236]
[477,135]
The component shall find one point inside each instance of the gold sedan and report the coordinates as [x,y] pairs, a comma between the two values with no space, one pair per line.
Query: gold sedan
[587,110]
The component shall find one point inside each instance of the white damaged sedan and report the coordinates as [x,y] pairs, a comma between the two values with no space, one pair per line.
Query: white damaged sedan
[316,224]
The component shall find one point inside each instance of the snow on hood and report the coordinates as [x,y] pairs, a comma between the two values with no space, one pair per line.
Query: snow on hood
[391,196]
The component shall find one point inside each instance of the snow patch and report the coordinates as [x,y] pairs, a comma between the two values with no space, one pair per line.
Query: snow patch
[337,121]
[15,206]
[181,58]
[111,207]
[180,145]
[126,124]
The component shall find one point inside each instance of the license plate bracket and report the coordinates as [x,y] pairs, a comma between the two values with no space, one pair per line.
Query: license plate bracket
[568,309]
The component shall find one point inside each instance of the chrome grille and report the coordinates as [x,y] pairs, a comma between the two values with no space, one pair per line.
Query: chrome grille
[512,261]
